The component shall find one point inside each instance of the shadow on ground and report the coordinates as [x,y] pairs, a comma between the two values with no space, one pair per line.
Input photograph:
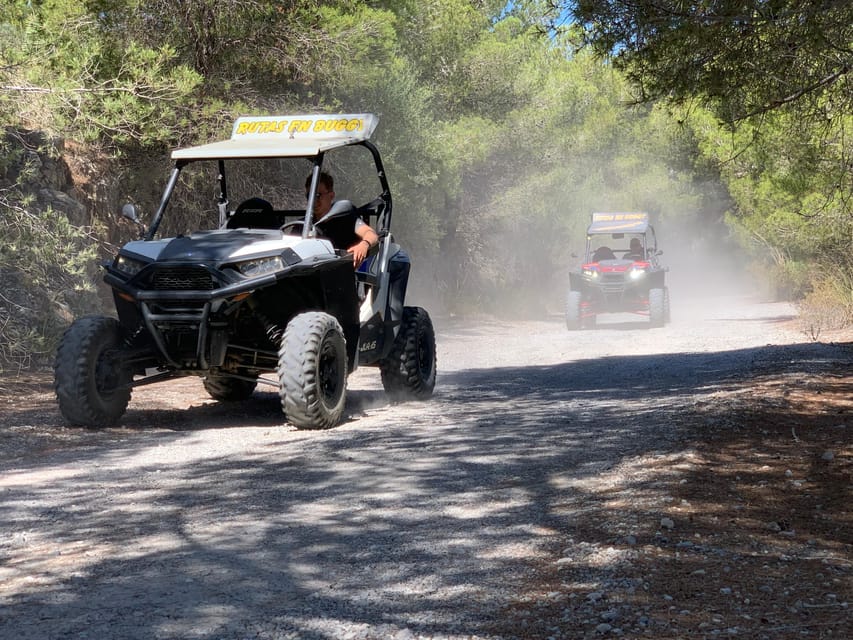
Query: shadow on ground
[432,529]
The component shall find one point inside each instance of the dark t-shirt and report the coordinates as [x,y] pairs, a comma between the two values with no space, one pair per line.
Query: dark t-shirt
[340,228]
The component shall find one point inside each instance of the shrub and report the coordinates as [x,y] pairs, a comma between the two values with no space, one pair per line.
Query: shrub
[47,266]
[828,306]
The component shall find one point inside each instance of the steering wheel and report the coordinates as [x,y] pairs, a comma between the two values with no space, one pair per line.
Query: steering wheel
[288,227]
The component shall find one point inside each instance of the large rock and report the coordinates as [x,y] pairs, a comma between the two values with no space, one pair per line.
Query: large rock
[61,201]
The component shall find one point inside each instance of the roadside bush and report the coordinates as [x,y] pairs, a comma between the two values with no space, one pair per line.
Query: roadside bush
[782,280]
[828,306]
[47,267]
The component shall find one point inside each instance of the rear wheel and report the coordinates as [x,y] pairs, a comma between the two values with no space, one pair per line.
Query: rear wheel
[312,371]
[408,373]
[227,389]
[90,381]
[573,310]
[657,307]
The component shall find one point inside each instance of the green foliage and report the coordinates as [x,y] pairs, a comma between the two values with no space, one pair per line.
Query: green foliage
[60,71]
[47,266]
[251,48]
[749,57]
[498,142]
[787,186]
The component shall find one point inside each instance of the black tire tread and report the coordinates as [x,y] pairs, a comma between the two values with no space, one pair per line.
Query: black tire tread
[402,371]
[225,389]
[301,347]
[80,402]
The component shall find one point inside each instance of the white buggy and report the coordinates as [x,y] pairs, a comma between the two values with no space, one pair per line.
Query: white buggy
[260,296]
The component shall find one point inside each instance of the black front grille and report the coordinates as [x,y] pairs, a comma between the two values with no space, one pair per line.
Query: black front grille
[613,282]
[182,279]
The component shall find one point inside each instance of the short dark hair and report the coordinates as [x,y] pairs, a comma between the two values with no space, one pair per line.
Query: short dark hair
[325,179]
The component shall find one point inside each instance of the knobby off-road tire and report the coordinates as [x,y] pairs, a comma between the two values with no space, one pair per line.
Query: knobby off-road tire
[657,307]
[573,310]
[227,389]
[312,370]
[408,373]
[89,378]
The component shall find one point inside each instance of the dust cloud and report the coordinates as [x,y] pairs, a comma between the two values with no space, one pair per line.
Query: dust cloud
[709,273]
[513,271]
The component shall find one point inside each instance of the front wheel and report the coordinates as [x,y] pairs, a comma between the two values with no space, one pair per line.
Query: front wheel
[91,383]
[573,310]
[408,373]
[657,307]
[312,371]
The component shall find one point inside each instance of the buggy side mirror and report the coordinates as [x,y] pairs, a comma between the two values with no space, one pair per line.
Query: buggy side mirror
[129,211]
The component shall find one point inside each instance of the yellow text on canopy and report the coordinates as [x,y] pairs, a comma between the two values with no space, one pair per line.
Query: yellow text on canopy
[306,125]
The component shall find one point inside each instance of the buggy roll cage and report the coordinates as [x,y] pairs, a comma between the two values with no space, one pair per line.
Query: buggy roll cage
[307,136]
[307,229]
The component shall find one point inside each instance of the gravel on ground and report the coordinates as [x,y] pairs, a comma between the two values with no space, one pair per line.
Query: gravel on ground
[692,481]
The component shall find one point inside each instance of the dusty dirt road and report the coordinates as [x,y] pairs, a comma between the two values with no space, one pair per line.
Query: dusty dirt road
[692,481]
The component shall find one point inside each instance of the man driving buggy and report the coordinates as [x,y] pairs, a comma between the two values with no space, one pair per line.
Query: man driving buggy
[357,237]
[636,251]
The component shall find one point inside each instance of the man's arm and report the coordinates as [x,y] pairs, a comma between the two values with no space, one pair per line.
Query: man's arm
[368,240]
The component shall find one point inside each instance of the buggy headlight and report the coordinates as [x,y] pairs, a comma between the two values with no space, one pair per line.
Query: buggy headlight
[636,274]
[590,273]
[260,266]
[129,266]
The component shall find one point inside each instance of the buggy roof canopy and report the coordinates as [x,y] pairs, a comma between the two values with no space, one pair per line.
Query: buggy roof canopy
[618,223]
[295,136]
